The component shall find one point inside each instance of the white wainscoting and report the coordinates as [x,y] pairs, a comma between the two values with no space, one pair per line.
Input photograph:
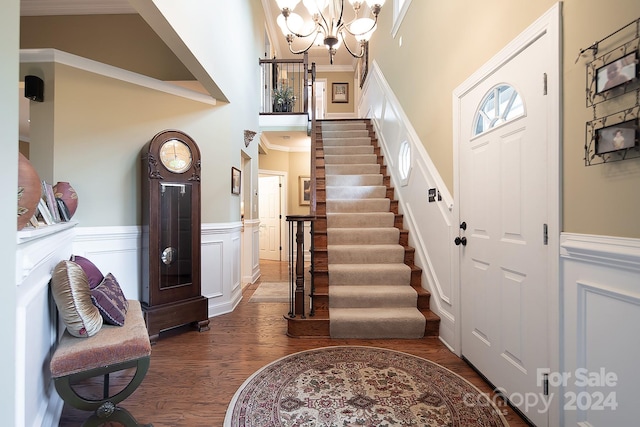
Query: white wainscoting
[118,250]
[250,251]
[38,252]
[221,246]
[114,250]
[600,289]
[431,225]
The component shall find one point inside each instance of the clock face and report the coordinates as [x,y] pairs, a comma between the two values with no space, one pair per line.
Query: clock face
[175,155]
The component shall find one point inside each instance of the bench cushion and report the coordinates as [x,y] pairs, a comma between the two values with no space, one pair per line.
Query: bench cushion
[111,345]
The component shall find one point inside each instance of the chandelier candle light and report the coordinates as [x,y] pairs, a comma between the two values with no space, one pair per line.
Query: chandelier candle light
[329,26]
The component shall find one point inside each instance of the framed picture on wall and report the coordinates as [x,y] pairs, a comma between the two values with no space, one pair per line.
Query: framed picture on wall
[617,137]
[617,73]
[235,180]
[340,93]
[304,190]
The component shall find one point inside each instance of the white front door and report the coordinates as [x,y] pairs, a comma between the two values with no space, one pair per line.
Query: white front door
[503,183]
[270,216]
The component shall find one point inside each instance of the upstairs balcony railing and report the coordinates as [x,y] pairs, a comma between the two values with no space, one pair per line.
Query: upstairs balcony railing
[285,86]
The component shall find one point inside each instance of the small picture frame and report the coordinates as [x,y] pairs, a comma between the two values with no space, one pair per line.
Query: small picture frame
[304,190]
[617,73]
[340,93]
[617,137]
[235,180]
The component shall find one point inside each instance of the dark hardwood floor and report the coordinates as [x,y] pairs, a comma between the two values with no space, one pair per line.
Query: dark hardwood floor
[193,375]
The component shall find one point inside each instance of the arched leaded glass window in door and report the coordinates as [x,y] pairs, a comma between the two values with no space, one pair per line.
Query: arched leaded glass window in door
[500,105]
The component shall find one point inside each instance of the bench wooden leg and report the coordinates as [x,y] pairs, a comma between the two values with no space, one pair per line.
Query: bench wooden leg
[105,409]
[118,415]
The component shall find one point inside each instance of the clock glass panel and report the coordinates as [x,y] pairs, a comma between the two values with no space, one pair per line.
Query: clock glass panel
[175,155]
[175,235]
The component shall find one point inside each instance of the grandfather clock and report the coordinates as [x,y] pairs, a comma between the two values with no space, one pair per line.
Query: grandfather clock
[171,234]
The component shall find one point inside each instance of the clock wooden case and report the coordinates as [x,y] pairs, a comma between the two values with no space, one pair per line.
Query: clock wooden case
[171,287]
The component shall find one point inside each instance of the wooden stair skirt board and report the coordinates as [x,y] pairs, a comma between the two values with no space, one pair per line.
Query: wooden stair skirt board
[366,283]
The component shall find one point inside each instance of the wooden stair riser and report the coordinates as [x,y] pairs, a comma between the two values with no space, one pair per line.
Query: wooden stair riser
[409,255]
[319,239]
[321,303]
[320,258]
[390,193]
[416,277]
[321,280]
[320,225]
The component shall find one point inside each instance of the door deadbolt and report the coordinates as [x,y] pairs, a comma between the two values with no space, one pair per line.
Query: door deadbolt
[460,240]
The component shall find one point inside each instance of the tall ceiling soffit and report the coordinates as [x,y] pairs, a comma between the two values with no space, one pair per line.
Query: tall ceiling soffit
[74,7]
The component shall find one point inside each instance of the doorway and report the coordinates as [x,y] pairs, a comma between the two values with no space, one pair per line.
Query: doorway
[271,208]
[321,99]
[506,121]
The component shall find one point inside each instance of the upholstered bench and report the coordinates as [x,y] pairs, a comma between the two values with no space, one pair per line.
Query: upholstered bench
[112,349]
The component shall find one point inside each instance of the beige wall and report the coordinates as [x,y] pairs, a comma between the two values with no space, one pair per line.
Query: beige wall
[339,77]
[296,165]
[600,199]
[443,43]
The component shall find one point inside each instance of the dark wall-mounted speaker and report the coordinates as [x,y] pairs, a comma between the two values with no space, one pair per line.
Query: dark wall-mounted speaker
[34,88]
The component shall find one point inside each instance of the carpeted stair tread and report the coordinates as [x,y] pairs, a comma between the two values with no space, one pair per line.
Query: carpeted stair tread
[363,235]
[343,127]
[356,192]
[353,149]
[358,205]
[348,169]
[365,254]
[369,274]
[352,133]
[350,159]
[360,219]
[327,142]
[375,296]
[371,323]
[354,180]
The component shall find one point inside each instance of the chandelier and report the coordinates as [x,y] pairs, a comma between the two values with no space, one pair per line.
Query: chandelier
[328,27]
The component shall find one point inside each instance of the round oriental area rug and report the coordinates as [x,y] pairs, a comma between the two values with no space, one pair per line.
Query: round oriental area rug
[358,386]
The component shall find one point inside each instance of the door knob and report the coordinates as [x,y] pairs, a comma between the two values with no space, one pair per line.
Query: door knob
[463,225]
[460,240]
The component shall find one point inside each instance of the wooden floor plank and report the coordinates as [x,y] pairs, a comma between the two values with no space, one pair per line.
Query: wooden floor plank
[193,375]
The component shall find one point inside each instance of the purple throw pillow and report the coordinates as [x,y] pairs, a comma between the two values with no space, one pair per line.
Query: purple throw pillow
[110,300]
[93,273]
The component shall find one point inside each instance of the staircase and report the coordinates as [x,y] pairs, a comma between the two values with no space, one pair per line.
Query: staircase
[366,283]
